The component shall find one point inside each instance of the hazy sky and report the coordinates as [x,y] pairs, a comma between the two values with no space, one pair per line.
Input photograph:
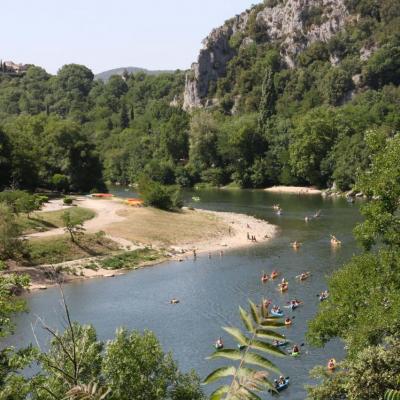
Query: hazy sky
[154,34]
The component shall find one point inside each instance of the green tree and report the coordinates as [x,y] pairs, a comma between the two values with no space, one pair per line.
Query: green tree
[369,375]
[268,98]
[11,244]
[73,225]
[124,117]
[310,143]
[5,160]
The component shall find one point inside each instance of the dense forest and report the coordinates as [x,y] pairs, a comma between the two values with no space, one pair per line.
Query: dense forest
[267,123]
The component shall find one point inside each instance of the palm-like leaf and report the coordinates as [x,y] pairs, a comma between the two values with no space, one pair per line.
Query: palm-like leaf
[246,320]
[254,313]
[238,335]
[219,374]
[273,323]
[392,394]
[267,348]
[268,334]
[217,395]
[247,380]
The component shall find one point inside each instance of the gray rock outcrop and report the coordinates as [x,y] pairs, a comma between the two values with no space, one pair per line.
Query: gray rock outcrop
[294,23]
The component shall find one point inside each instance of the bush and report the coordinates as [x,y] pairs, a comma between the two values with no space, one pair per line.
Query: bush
[157,195]
[68,201]
[60,182]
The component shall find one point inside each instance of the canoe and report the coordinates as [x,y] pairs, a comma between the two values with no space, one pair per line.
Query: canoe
[277,313]
[303,278]
[283,288]
[292,306]
[281,344]
[282,386]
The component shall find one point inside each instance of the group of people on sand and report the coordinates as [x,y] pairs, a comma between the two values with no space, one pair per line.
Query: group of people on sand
[251,237]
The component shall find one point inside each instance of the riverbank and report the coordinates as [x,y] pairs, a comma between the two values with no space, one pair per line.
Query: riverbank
[173,235]
[294,190]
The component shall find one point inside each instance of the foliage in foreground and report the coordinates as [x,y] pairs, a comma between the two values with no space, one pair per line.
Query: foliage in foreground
[364,304]
[373,371]
[247,380]
[79,366]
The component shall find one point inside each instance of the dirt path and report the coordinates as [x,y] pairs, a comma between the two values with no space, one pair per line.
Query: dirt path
[106,214]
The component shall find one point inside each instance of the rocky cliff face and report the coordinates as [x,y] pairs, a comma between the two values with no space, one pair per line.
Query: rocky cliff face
[295,24]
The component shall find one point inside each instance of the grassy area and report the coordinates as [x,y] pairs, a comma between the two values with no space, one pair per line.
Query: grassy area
[130,259]
[44,221]
[58,249]
[151,226]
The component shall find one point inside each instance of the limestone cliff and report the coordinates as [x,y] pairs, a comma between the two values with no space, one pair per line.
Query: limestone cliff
[294,24]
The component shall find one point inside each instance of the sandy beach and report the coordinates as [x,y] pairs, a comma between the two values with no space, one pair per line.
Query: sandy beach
[178,234]
[293,190]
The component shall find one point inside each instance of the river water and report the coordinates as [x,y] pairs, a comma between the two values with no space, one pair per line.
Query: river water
[211,290]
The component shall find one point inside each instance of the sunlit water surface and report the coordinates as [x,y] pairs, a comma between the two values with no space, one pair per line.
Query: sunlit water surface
[211,290]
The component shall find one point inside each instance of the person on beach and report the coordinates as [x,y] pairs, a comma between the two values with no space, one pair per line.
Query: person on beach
[248,236]
[209,254]
[194,254]
[221,253]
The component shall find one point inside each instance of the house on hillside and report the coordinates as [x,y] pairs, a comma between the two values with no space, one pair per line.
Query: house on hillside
[13,68]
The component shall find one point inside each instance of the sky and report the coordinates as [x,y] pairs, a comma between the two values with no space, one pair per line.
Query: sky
[153,34]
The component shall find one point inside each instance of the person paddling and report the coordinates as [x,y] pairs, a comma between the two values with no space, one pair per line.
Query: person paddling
[295,349]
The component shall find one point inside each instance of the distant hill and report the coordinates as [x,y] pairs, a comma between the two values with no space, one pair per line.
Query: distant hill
[119,71]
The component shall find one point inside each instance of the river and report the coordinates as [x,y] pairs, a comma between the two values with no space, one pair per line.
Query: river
[211,290]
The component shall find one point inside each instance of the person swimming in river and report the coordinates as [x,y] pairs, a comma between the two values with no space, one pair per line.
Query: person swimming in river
[174,301]
[288,321]
[219,344]
[296,245]
[276,309]
[295,349]
[264,278]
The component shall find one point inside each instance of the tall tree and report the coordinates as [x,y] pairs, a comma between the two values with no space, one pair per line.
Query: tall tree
[268,99]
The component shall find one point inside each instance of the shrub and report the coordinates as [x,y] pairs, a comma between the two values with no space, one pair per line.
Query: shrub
[68,201]
[157,195]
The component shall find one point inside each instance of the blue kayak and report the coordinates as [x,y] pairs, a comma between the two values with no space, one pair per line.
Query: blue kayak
[277,313]
[281,386]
